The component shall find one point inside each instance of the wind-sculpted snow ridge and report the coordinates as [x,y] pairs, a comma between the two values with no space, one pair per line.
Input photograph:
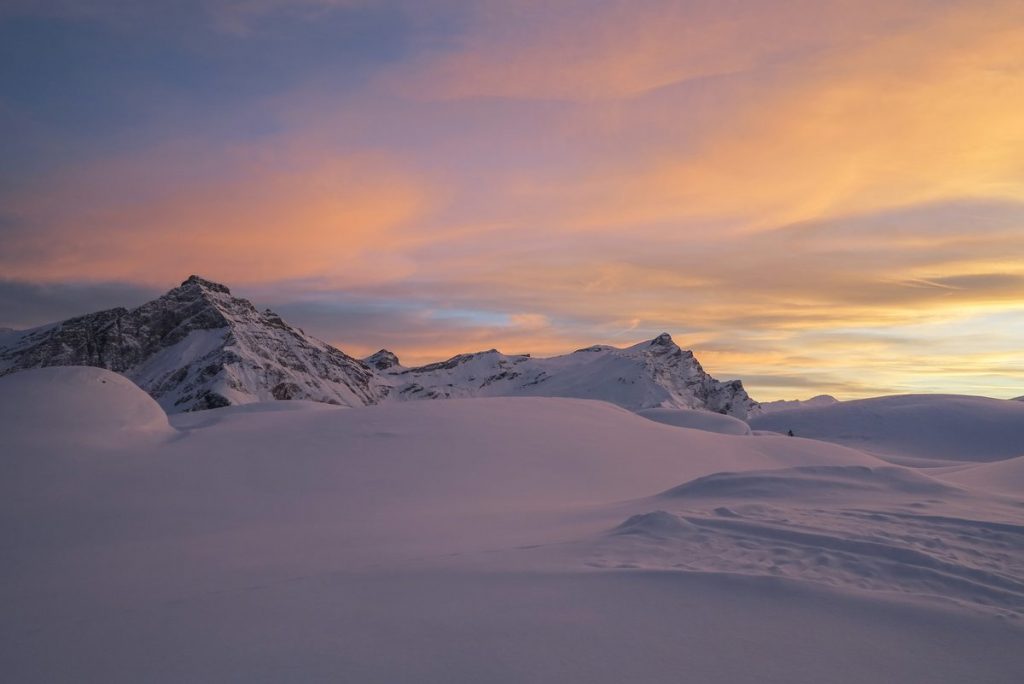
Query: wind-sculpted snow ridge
[1004,477]
[74,406]
[697,420]
[198,347]
[810,482]
[856,528]
[655,373]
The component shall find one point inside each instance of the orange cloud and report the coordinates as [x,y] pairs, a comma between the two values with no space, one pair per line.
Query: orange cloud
[252,217]
[924,113]
[580,50]
[825,190]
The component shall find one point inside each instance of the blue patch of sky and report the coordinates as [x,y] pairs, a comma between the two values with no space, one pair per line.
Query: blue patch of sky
[344,305]
[101,86]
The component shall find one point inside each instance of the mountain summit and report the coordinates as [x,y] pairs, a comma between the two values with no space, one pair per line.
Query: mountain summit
[651,374]
[199,347]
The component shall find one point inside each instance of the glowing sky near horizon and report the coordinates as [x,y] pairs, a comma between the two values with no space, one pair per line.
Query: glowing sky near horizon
[815,196]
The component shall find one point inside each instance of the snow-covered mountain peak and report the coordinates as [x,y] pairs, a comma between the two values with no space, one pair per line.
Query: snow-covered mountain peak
[201,293]
[196,283]
[382,360]
[655,373]
[199,347]
[662,340]
[661,346]
[594,348]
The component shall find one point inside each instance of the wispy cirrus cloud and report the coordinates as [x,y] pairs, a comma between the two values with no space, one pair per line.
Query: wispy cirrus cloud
[828,190]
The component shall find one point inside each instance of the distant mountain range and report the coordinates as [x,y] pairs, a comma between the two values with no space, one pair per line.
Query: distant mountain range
[787,404]
[198,347]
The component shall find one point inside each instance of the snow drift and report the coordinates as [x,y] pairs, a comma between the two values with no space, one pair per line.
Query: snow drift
[77,404]
[1006,477]
[697,420]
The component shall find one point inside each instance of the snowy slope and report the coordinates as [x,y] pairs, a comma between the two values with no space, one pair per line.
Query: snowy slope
[198,347]
[655,373]
[75,405]
[698,420]
[1004,477]
[498,540]
[942,427]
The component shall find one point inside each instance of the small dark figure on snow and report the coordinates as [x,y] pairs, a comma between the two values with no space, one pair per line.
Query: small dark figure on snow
[790,433]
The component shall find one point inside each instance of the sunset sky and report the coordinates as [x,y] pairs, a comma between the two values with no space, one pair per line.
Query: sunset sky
[813,195]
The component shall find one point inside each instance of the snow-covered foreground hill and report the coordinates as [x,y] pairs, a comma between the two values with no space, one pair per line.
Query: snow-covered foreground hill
[483,540]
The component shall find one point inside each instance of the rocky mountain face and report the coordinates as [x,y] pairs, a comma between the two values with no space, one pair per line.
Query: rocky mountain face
[656,373]
[382,360]
[198,347]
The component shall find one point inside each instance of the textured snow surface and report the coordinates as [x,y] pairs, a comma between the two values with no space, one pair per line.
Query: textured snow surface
[1006,477]
[497,540]
[698,420]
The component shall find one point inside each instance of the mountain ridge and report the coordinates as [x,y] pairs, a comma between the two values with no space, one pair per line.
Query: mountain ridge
[199,347]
